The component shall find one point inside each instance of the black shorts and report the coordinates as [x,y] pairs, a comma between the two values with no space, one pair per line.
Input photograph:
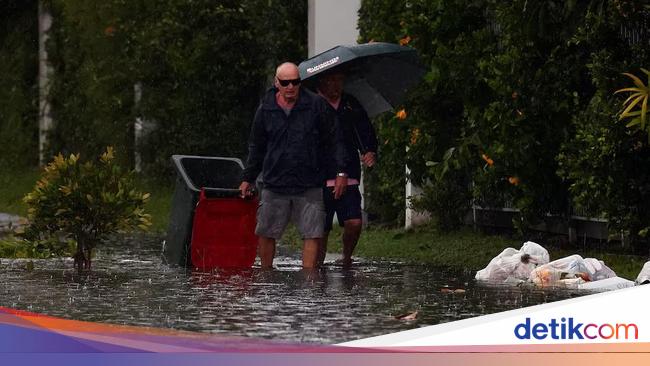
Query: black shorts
[346,208]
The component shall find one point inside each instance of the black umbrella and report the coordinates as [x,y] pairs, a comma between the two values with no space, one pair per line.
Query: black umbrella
[377,74]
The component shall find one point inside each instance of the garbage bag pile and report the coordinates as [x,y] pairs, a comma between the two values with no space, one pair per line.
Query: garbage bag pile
[532,264]
[514,265]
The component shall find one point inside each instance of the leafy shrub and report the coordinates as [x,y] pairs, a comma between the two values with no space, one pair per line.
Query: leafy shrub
[85,202]
[385,183]
[638,97]
[602,165]
[447,200]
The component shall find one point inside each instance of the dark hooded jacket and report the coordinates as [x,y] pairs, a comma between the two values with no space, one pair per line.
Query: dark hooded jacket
[358,135]
[290,150]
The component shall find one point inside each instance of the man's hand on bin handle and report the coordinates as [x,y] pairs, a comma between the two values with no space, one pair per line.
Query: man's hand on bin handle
[246,190]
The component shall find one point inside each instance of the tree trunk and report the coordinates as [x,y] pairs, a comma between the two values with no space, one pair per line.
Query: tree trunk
[83,255]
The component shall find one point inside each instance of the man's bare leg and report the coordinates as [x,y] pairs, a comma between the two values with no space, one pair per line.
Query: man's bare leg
[322,248]
[266,251]
[310,250]
[350,238]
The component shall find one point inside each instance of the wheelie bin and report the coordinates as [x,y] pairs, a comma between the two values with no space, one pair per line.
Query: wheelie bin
[210,226]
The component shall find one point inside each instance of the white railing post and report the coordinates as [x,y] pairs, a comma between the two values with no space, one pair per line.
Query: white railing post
[44,72]
[137,127]
[412,217]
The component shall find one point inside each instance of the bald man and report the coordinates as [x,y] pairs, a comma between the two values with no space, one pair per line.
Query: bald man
[293,131]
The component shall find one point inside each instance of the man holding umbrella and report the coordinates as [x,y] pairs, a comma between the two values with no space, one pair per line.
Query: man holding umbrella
[377,77]
[293,131]
[360,140]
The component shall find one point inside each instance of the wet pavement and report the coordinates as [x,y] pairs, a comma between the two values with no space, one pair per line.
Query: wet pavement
[131,284]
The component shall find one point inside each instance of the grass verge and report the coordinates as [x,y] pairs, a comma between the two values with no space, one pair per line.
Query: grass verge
[466,248]
[159,204]
[14,185]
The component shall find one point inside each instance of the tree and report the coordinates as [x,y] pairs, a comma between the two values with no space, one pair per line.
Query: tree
[85,202]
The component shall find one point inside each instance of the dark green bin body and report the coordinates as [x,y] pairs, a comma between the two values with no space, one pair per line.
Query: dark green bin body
[220,177]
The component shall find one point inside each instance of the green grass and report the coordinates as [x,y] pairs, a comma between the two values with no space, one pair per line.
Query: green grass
[159,204]
[464,248]
[14,185]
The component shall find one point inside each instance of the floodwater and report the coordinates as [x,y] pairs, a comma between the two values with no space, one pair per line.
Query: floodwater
[130,284]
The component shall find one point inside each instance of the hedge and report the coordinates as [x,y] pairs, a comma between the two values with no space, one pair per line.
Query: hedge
[517,107]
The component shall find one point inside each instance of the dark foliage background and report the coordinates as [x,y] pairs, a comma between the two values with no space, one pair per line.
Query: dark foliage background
[201,67]
[517,109]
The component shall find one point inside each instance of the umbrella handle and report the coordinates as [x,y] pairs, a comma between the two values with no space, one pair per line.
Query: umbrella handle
[362,147]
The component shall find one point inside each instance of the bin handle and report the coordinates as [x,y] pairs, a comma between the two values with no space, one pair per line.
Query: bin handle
[230,192]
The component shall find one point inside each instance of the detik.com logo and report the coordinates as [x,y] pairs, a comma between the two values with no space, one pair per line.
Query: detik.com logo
[568,328]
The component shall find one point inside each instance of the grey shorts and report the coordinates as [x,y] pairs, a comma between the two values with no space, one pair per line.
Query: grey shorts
[306,210]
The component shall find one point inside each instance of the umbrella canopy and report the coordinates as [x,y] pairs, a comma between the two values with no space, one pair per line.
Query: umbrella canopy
[377,74]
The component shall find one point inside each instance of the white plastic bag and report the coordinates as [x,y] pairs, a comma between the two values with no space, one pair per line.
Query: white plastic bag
[546,276]
[644,275]
[613,283]
[501,266]
[574,282]
[537,253]
[564,268]
[597,269]
[512,264]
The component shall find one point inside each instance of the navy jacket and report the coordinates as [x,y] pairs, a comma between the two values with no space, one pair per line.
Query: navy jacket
[358,135]
[291,151]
